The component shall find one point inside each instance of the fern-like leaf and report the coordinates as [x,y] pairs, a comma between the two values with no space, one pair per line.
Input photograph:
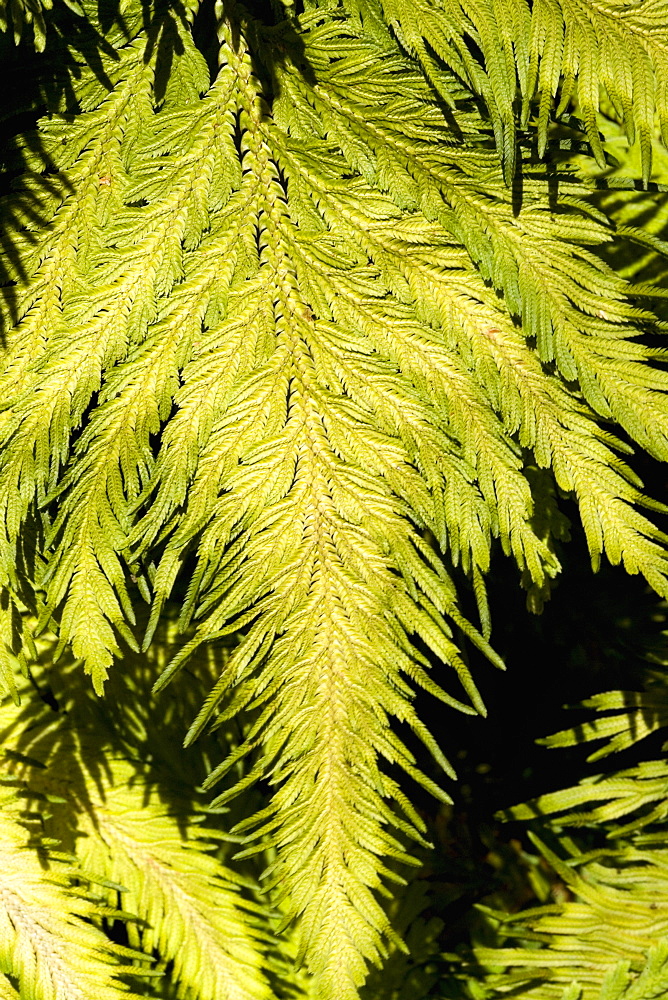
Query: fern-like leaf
[47,941]
[130,824]
[608,938]
[549,53]
[315,350]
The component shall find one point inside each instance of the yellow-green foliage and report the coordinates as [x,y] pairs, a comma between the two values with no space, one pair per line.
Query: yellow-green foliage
[108,785]
[298,327]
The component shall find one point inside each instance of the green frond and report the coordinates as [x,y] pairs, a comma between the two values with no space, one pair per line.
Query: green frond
[633,716]
[48,943]
[548,54]
[283,326]
[639,791]
[132,827]
[579,48]
[609,938]
[441,33]
[64,343]
[411,971]
[617,915]
[651,984]
[15,15]
[190,909]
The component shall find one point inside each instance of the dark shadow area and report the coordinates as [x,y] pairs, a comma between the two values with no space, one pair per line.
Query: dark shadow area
[647,249]
[128,722]
[70,742]
[598,632]
[70,745]
[273,39]
[595,634]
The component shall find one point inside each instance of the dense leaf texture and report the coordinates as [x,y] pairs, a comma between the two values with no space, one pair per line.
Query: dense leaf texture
[48,943]
[286,324]
[545,54]
[107,786]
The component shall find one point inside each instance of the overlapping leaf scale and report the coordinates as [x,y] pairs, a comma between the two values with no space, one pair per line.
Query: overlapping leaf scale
[542,250]
[302,531]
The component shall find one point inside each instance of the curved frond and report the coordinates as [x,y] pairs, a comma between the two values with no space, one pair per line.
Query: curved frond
[575,48]
[47,941]
[639,791]
[286,327]
[618,914]
[608,939]
[132,828]
[550,55]
[633,715]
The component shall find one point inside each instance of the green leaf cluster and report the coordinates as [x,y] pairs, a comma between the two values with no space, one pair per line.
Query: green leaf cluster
[307,311]
[105,838]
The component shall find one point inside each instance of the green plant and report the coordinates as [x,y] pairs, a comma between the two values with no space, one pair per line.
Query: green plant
[602,940]
[306,311]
